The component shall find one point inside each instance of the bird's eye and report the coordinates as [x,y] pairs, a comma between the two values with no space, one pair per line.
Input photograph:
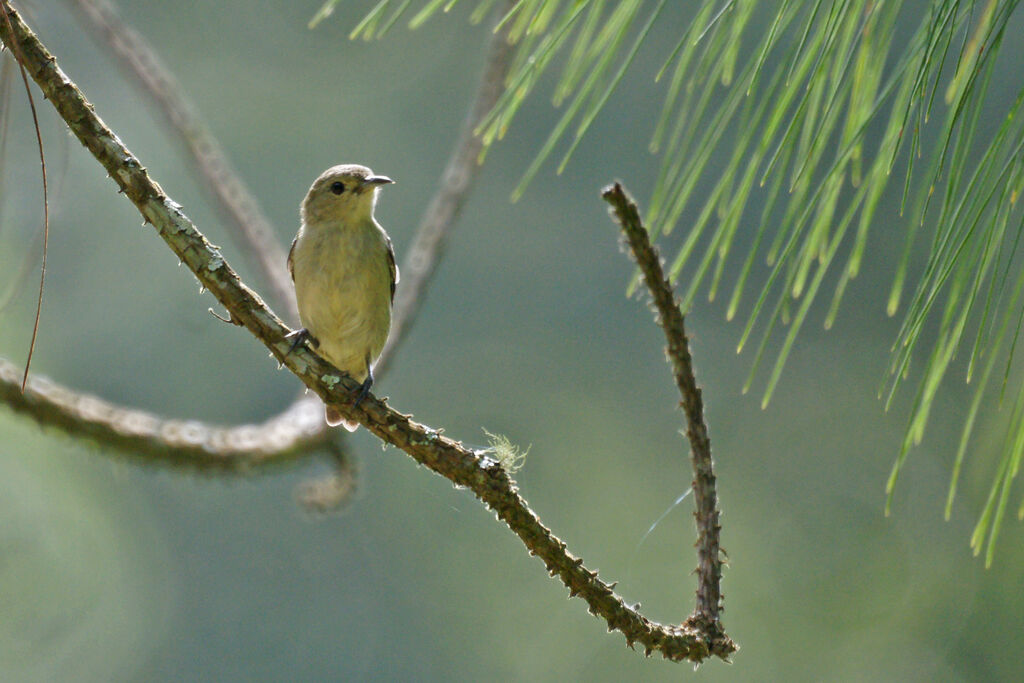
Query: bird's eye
[337,187]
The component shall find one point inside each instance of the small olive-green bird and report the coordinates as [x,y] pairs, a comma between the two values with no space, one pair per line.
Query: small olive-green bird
[343,267]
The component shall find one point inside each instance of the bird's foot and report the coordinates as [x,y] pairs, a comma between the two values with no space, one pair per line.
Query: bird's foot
[298,336]
[364,391]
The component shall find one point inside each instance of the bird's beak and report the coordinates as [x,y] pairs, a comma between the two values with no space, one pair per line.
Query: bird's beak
[377,180]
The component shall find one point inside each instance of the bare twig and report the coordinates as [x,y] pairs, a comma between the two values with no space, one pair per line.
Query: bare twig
[485,477]
[709,569]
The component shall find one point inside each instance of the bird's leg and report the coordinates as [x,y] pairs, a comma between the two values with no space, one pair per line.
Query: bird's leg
[364,388]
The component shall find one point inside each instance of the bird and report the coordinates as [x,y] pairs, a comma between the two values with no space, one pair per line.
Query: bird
[343,267]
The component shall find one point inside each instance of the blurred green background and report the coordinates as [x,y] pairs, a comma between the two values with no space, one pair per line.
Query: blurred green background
[115,571]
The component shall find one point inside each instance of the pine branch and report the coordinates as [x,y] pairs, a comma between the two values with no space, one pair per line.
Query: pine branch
[485,477]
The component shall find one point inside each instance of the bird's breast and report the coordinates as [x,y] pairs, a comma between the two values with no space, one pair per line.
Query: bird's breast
[343,290]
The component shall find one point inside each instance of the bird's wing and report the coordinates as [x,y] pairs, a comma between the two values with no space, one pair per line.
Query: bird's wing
[291,266]
[392,266]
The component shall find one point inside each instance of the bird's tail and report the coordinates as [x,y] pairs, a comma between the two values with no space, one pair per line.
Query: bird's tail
[334,418]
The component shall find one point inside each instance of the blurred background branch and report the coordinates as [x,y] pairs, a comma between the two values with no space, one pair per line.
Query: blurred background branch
[251,228]
[442,214]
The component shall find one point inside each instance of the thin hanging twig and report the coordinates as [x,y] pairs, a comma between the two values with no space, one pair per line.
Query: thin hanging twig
[16,49]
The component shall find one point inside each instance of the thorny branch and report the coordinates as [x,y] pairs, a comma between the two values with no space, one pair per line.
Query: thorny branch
[299,429]
[465,467]
[709,569]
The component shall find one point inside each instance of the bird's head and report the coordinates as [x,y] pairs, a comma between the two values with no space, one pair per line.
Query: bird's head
[343,193]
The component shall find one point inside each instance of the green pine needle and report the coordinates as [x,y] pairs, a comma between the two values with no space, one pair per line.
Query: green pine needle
[808,111]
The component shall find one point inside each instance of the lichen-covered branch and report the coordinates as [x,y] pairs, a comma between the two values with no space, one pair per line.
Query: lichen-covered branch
[463,466]
[670,317]
[291,433]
